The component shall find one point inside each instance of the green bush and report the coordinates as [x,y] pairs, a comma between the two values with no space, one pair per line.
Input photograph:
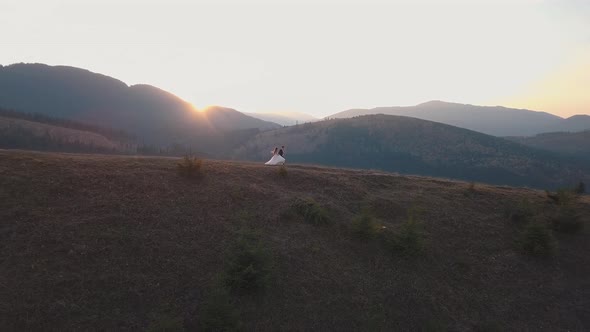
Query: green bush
[410,237]
[523,210]
[283,171]
[538,240]
[567,220]
[470,189]
[566,197]
[311,211]
[218,313]
[247,267]
[364,226]
[190,167]
[562,196]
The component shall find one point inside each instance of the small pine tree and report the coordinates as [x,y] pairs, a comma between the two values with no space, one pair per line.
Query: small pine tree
[538,240]
[248,264]
[311,211]
[566,197]
[190,167]
[283,171]
[364,226]
[410,238]
[470,189]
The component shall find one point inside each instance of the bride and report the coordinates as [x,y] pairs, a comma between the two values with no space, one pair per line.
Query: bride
[276,158]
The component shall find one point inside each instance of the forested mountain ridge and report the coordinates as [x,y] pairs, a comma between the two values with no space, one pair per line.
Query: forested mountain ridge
[576,144]
[414,146]
[284,118]
[46,134]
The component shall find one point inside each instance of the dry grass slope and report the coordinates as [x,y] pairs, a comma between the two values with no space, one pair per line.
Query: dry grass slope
[91,242]
[67,135]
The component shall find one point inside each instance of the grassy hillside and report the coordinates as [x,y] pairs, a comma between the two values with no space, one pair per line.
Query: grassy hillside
[125,243]
[414,146]
[565,143]
[497,120]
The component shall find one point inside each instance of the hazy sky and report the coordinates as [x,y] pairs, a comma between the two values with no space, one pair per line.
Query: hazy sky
[319,56]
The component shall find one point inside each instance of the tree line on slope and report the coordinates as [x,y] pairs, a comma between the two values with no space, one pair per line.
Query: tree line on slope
[110,133]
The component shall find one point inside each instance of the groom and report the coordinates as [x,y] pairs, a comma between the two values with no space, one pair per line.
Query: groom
[282,151]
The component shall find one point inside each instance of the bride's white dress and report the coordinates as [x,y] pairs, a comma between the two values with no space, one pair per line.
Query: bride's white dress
[276,160]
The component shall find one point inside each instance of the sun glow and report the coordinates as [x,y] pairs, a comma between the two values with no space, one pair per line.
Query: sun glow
[195,108]
[563,92]
[203,109]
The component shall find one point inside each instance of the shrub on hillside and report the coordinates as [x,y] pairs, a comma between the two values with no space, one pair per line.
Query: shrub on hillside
[409,239]
[567,220]
[218,313]
[247,267]
[523,210]
[538,240]
[311,211]
[562,196]
[190,167]
[470,189]
[364,226]
[566,197]
[283,171]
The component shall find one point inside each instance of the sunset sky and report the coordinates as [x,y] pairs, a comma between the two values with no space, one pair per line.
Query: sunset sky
[319,57]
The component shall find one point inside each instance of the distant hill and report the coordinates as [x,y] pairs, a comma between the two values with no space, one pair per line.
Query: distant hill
[574,123]
[497,121]
[565,143]
[285,118]
[414,146]
[33,132]
[154,115]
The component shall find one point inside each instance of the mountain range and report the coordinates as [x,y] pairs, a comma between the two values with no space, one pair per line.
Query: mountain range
[285,118]
[153,115]
[161,123]
[497,120]
[414,146]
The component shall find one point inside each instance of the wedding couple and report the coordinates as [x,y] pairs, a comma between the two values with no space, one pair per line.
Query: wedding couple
[277,156]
